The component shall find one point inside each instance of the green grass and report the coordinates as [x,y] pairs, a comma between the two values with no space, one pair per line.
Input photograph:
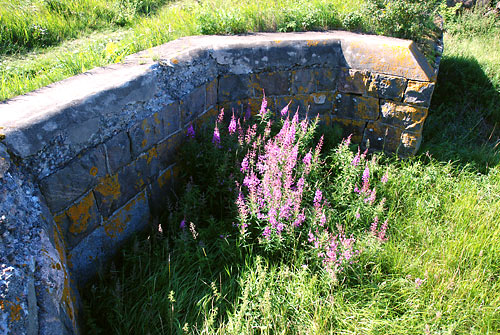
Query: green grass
[444,210]
[29,28]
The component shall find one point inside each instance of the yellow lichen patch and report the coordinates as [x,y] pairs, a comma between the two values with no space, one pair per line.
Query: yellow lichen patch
[417,86]
[93,171]
[410,140]
[155,117]
[144,143]
[80,214]
[68,297]
[114,227]
[164,178]
[312,43]
[145,126]
[109,187]
[174,61]
[277,41]
[152,153]
[14,309]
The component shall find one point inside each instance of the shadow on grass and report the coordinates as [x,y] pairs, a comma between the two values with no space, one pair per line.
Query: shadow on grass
[464,118]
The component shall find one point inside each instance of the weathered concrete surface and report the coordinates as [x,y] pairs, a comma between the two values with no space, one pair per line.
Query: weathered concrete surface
[84,162]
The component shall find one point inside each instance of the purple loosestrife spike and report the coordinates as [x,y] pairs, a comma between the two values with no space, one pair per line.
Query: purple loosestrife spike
[346,142]
[267,232]
[357,215]
[220,118]
[356,159]
[190,131]
[384,179]
[366,180]
[263,106]
[374,226]
[418,282]
[383,229]
[232,125]
[182,225]
[216,137]
[284,111]
[318,196]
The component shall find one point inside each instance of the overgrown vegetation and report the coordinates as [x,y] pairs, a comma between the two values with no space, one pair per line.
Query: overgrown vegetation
[36,24]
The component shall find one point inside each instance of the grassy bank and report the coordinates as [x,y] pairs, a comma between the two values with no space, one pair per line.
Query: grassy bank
[36,25]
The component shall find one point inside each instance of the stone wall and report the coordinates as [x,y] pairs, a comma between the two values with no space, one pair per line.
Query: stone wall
[86,162]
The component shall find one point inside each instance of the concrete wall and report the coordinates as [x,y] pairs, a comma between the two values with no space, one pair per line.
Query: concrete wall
[85,162]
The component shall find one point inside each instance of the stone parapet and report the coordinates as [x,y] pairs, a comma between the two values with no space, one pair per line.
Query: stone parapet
[86,162]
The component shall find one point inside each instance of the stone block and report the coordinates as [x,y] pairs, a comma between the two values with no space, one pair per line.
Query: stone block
[118,151]
[68,184]
[158,126]
[211,94]
[78,220]
[97,248]
[167,149]
[419,93]
[193,104]
[310,80]
[272,83]
[355,107]
[304,81]
[159,192]
[402,116]
[353,81]
[115,190]
[234,87]
[354,128]
[379,136]
[386,87]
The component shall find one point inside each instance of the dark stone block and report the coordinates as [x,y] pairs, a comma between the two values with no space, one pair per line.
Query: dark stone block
[234,87]
[355,107]
[68,184]
[387,87]
[402,116]
[272,83]
[419,93]
[193,104]
[158,126]
[118,150]
[353,81]
[79,220]
[115,190]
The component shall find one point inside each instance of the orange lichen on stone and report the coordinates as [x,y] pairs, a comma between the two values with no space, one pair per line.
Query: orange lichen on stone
[80,214]
[145,126]
[174,61]
[417,86]
[152,153]
[312,43]
[157,120]
[68,299]
[14,309]
[93,171]
[109,187]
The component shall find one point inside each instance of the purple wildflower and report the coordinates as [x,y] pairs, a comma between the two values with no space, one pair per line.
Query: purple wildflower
[384,179]
[383,229]
[357,215]
[418,282]
[190,131]
[263,106]
[220,118]
[374,226]
[232,125]
[366,179]
[356,159]
[182,225]
[244,164]
[284,111]
[216,137]
[318,196]
[267,232]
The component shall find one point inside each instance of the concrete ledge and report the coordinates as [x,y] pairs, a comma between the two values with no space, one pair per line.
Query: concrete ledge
[85,161]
